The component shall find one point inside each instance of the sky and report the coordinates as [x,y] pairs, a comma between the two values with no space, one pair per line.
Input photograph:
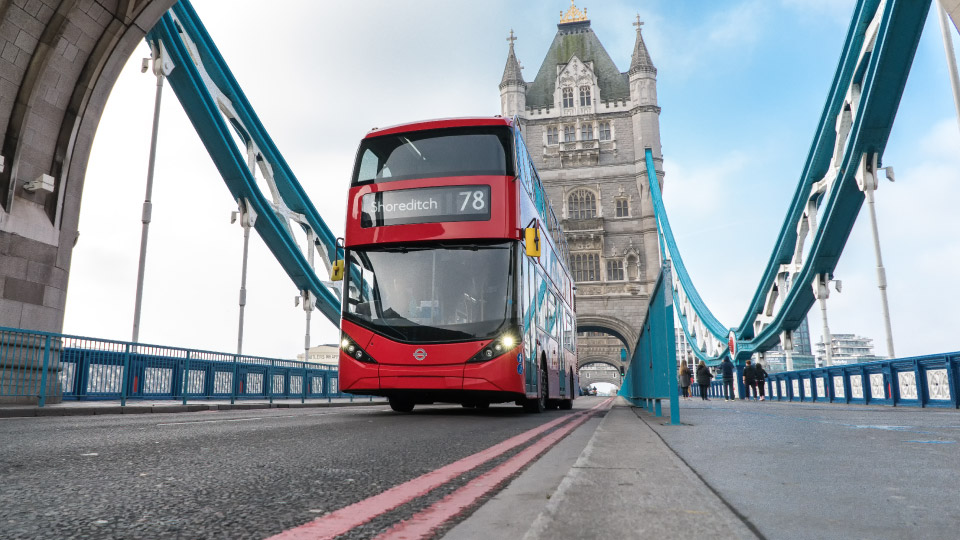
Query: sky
[741,84]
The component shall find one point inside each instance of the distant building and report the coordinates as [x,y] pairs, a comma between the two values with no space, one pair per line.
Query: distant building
[775,360]
[684,351]
[328,355]
[847,349]
[801,339]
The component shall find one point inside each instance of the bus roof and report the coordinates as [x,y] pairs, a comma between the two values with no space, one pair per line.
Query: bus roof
[440,124]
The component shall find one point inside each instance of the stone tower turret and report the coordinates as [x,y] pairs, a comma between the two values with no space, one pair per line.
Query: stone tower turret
[513,91]
[643,94]
[646,133]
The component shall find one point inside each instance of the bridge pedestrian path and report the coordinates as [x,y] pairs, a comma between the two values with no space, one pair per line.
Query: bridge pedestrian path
[744,470]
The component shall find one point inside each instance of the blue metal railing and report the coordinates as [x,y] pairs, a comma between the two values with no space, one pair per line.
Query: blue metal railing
[652,372]
[920,381]
[42,366]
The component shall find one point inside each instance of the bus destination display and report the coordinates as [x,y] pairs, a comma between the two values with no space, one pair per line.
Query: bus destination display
[425,205]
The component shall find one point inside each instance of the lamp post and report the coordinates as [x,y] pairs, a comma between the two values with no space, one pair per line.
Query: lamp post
[821,290]
[248,218]
[867,182]
[951,58]
[162,66]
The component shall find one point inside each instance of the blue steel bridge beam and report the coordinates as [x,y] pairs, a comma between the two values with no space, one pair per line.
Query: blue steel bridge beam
[878,76]
[817,164]
[212,99]
[853,130]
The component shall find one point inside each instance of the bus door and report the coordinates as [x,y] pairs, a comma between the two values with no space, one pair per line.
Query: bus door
[562,327]
[529,320]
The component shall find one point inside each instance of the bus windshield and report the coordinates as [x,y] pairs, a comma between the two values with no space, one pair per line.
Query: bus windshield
[467,151]
[432,294]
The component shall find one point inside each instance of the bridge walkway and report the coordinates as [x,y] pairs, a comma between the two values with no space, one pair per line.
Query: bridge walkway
[749,470]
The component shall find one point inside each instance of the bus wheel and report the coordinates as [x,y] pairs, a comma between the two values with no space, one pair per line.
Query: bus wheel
[401,405]
[483,405]
[539,404]
[567,404]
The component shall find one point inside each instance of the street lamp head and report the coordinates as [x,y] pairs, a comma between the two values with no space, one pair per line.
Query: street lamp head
[888,171]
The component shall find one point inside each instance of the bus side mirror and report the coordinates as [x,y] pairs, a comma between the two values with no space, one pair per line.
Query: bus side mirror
[336,271]
[532,238]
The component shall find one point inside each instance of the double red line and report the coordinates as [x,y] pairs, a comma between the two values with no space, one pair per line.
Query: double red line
[428,520]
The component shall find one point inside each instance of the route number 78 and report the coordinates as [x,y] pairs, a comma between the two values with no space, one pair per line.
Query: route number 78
[477,197]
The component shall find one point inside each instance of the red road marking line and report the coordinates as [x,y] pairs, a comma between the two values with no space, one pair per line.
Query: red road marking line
[343,520]
[424,523]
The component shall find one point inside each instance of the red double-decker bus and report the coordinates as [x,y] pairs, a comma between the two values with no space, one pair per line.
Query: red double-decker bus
[450,291]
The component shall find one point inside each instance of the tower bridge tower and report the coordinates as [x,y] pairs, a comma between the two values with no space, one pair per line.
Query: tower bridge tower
[586,125]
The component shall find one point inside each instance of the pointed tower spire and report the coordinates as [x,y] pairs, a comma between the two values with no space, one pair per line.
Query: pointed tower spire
[511,72]
[513,91]
[641,58]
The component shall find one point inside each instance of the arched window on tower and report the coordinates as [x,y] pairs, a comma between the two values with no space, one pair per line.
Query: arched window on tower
[584,96]
[585,266]
[623,207]
[582,204]
[569,133]
[552,135]
[586,132]
[567,97]
[604,131]
[614,269]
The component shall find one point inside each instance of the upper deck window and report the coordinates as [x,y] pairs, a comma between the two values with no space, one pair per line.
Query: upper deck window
[462,151]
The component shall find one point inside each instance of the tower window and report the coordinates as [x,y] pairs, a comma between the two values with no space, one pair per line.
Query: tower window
[586,132]
[553,137]
[614,269]
[623,209]
[584,96]
[569,133]
[582,204]
[586,266]
[604,131]
[567,97]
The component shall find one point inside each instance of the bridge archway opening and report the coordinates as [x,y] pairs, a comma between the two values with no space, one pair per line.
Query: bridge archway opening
[602,389]
[600,374]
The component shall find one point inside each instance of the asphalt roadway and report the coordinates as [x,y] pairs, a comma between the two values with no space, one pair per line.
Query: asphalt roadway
[732,470]
[235,474]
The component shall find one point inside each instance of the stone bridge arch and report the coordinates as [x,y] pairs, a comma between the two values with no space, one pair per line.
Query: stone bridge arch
[617,328]
[60,61]
[616,334]
[599,369]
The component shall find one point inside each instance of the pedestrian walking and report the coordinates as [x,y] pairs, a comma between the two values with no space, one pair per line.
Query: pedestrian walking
[726,374]
[750,381]
[684,378]
[703,380]
[761,377]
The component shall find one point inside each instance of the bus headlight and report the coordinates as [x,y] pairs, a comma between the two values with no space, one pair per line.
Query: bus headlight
[502,344]
[348,346]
